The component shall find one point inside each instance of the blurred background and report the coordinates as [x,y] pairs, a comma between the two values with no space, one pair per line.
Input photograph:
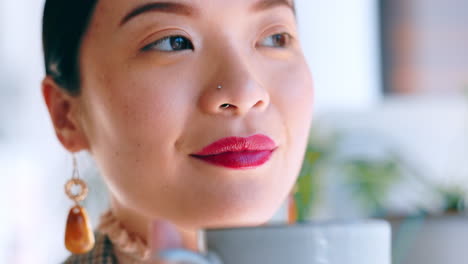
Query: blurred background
[389,138]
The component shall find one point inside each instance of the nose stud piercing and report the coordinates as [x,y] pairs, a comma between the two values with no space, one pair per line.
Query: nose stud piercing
[219,86]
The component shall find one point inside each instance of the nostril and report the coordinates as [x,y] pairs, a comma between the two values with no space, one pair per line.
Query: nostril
[259,103]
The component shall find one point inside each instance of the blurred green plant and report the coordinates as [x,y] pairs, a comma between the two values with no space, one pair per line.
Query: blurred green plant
[453,199]
[309,185]
[370,181]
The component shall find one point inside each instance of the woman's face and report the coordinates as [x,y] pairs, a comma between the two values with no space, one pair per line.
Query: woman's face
[150,100]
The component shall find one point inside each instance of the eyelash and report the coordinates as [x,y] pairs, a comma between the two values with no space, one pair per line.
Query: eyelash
[150,47]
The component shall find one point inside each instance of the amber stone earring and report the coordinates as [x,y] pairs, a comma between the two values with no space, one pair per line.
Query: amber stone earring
[79,236]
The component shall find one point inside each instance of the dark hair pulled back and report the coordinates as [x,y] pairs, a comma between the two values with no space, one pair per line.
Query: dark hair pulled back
[64,25]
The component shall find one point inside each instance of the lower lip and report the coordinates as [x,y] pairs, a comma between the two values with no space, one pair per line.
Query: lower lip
[239,160]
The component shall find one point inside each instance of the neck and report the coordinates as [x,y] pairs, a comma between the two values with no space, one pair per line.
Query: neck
[157,234]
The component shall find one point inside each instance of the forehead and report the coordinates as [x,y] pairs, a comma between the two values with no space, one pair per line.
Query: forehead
[121,11]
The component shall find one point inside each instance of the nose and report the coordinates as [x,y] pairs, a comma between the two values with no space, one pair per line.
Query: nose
[233,89]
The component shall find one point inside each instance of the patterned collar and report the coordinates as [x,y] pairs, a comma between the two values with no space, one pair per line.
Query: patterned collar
[102,253]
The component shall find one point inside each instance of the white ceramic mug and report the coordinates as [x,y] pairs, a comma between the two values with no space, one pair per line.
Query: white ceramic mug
[359,242]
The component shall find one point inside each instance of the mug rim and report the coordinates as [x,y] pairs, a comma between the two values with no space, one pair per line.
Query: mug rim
[307,224]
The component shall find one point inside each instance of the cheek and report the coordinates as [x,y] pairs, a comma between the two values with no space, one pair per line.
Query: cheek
[135,120]
[139,107]
[293,96]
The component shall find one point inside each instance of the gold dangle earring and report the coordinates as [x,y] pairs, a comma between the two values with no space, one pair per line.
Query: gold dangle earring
[79,236]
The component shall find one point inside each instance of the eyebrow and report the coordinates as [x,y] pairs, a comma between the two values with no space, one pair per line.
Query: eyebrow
[186,10]
[263,5]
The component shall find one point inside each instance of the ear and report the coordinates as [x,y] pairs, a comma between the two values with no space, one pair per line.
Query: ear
[64,110]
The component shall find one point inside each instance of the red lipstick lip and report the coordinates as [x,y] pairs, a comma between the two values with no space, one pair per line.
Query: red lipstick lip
[238,144]
[238,152]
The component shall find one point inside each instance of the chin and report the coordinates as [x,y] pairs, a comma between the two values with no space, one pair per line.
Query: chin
[234,221]
[233,215]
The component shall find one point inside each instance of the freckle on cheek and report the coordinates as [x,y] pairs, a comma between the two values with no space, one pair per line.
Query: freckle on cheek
[126,109]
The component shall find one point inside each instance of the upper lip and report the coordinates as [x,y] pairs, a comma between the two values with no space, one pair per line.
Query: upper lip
[238,144]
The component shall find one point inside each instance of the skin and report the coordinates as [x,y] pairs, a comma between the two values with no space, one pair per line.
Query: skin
[141,114]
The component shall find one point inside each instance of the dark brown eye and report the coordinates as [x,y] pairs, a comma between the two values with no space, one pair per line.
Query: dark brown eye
[277,40]
[170,44]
